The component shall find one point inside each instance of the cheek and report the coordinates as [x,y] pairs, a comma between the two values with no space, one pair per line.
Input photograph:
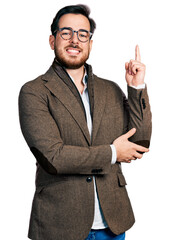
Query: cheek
[59,44]
[89,47]
[86,49]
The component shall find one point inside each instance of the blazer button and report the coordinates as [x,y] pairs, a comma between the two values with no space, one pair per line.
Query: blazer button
[88,179]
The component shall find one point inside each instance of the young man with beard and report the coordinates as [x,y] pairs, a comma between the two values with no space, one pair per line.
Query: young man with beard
[80,128]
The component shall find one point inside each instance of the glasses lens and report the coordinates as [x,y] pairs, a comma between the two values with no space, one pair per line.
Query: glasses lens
[83,35]
[66,34]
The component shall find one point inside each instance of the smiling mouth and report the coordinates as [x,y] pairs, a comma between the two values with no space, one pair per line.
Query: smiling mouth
[73,51]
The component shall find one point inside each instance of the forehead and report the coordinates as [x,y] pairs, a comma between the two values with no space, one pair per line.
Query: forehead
[75,21]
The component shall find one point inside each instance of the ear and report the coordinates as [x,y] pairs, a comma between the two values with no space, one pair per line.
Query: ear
[52,41]
[91,43]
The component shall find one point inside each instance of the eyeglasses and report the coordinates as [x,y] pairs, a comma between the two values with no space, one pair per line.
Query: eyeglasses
[67,34]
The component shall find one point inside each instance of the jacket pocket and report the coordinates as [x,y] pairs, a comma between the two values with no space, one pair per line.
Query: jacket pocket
[121,180]
[57,181]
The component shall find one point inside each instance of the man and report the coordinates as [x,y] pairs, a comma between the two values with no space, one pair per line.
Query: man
[80,128]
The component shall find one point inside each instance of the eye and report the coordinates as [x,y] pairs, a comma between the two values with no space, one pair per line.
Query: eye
[83,34]
[65,33]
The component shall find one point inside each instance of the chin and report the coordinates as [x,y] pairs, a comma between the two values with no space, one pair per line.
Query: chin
[71,64]
[74,66]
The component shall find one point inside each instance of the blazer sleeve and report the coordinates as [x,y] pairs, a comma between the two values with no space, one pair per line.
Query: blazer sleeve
[43,137]
[139,116]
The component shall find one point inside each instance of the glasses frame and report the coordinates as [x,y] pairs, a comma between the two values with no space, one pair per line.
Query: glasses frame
[73,31]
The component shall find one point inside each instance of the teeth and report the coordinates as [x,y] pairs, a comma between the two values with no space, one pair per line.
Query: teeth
[73,51]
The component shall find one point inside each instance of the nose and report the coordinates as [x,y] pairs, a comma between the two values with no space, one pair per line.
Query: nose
[74,38]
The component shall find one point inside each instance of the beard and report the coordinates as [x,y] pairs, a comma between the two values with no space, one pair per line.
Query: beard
[70,62]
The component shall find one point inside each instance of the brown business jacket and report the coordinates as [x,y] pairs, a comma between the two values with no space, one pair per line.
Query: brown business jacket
[54,125]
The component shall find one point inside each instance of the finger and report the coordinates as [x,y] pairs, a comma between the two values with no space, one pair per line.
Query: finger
[137,54]
[130,134]
[141,149]
[134,66]
[136,63]
[127,161]
[138,155]
[126,66]
[130,67]
[134,69]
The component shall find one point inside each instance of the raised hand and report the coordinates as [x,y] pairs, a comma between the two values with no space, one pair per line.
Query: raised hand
[135,70]
[126,150]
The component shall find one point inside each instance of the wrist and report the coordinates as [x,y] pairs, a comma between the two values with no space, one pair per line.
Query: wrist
[114,154]
[140,86]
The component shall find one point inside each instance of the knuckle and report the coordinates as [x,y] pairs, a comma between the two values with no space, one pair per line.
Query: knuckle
[133,67]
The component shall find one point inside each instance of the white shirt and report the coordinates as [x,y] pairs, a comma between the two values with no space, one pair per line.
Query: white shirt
[99,221]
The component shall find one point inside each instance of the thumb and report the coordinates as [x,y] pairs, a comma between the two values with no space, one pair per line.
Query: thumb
[130,133]
[126,66]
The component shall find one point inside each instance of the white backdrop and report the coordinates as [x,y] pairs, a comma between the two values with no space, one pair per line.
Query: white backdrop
[25,54]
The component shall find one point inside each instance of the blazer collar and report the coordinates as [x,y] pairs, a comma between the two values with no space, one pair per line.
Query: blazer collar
[99,105]
[60,84]
[63,90]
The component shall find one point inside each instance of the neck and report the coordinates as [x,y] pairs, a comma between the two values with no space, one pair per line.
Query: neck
[76,74]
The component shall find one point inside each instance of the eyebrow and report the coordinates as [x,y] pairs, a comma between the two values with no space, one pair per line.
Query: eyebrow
[75,30]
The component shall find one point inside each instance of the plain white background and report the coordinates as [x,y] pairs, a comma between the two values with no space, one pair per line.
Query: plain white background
[25,54]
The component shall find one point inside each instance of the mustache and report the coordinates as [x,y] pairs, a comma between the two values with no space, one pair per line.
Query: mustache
[74,46]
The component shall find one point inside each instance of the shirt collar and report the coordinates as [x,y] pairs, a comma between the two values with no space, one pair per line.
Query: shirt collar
[85,78]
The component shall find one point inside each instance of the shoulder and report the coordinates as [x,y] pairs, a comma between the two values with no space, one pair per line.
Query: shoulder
[34,84]
[38,85]
[111,86]
[34,92]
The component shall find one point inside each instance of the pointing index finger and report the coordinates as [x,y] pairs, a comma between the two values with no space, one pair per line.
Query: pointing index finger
[137,54]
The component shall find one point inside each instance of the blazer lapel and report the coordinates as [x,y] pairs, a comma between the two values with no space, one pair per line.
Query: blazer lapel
[61,91]
[99,105]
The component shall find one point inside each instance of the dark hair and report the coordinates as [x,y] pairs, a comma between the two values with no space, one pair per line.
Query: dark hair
[75,9]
